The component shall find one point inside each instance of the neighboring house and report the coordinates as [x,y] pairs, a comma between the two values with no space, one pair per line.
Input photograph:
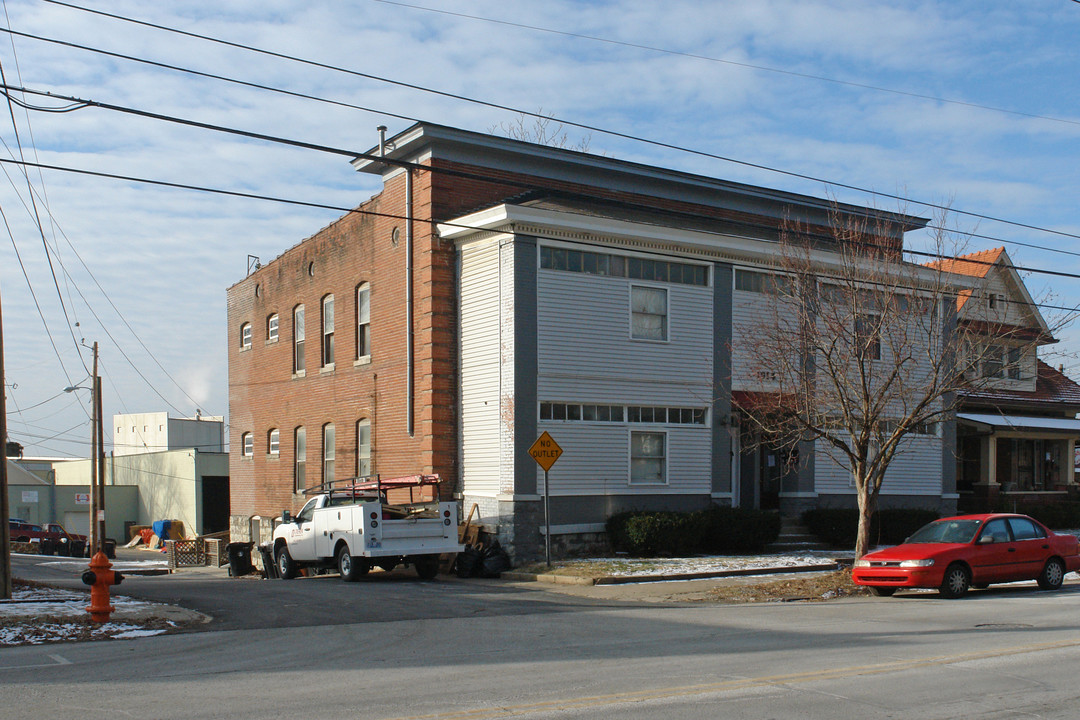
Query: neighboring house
[504,289]
[1017,432]
[177,465]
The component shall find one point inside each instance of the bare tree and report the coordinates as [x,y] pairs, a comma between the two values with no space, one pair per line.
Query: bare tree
[538,128]
[859,351]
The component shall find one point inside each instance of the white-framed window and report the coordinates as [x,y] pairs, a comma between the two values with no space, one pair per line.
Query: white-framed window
[363,321]
[248,443]
[272,328]
[328,330]
[245,336]
[993,361]
[328,440]
[1016,356]
[298,339]
[273,442]
[363,448]
[300,461]
[648,458]
[648,313]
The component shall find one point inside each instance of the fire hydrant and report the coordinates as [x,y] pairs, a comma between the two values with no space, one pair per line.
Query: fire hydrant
[99,577]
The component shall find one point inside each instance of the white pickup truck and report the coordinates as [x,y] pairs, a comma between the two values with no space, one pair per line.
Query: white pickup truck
[355,524]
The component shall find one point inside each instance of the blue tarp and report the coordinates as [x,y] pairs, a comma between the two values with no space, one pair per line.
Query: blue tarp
[161,528]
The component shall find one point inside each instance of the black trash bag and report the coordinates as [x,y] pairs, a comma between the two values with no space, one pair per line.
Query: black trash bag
[495,561]
[469,562]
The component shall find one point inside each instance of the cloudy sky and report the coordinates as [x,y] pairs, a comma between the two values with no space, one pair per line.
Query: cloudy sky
[955,102]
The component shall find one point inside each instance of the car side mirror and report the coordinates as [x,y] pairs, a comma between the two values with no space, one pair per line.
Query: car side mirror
[986,539]
[286,517]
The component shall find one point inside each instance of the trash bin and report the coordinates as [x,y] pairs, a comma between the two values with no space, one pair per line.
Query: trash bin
[269,566]
[78,548]
[47,546]
[239,558]
[63,547]
[110,549]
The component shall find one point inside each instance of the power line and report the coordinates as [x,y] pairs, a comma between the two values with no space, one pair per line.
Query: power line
[84,103]
[497,106]
[697,56]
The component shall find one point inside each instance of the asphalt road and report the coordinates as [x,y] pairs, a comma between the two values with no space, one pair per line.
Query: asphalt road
[399,648]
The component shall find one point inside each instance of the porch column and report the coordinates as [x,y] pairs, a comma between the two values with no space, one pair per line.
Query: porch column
[988,460]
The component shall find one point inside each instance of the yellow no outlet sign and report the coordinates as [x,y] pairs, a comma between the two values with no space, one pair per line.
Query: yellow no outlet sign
[545,451]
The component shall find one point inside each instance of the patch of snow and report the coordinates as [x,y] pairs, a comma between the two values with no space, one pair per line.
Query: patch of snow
[721,563]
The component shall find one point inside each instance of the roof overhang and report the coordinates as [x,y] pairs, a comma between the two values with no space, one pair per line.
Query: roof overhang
[1020,423]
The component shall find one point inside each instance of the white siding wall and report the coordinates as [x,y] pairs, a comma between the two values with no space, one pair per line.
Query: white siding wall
[748,311]
[480,368]
[916,470]
[586,355]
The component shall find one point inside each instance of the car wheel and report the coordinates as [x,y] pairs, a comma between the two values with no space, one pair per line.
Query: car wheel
[1052,576]
[955,582]
[349,567]
[881,591]
[427,566]
[285,566]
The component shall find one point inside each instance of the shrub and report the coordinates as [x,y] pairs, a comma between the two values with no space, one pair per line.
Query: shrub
[1063,515]
[738,530]
[889,526]
[716,530]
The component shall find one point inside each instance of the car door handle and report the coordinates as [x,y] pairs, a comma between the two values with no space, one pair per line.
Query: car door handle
[1012,549]
[1046,547]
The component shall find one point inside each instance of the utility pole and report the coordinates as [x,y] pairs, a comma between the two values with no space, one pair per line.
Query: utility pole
[93,457]
[99,460]
[5,511]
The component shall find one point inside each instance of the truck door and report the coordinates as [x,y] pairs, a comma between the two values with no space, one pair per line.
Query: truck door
[302,539]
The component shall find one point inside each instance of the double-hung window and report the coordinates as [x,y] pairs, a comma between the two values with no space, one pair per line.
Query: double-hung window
[272,328]
[328,438]
[648,313]
[328,331]
[867,337]
[363,321]
[248,441]
[298,339]
[648,457]
[245,336]
[273,442]
[363,448]
[300,469]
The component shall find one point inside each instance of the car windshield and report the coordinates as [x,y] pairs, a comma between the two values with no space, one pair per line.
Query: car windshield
[946,531]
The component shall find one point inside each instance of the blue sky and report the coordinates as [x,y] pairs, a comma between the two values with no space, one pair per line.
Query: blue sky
[164,257]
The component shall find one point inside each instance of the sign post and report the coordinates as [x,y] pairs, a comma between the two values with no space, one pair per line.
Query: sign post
[545,451]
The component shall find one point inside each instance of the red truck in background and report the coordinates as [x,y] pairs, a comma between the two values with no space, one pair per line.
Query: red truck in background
[21,531]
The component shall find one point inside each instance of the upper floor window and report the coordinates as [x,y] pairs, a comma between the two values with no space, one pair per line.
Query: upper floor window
[298,339]
[273,442]
[363,321]
[363,448]
[995,301]
[634,268]
[867,337]
[649,313]
[248,441]
[328,438]
[300,462]
[993,361]
[272,328]
[328,330]
[1015,357]
[245,336]
[750,281]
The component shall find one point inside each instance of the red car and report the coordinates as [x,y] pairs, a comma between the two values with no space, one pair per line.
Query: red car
[954,553]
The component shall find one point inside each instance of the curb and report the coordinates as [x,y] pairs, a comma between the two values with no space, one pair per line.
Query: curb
[627,579]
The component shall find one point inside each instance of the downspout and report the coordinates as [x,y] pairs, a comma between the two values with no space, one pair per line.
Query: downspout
[409,360]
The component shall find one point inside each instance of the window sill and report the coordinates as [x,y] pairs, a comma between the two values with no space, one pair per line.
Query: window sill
[642,483]
[245,348]
[652,341]
[365,360]
[325,369]
[271,341]
[273,457]
[299,374]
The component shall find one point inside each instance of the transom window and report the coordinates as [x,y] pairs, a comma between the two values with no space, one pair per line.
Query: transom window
[575,412]
[634,268]
[648,313]
[648,458]
[750,281]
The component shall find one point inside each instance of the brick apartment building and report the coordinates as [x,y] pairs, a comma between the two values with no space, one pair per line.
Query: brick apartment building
[495,289]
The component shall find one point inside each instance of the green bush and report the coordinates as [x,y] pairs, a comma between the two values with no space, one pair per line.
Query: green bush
[1063,515]
[738,530]
[716,530]
[890,526]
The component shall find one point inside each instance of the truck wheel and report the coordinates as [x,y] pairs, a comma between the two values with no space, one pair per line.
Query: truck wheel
[349,567]
[427,566]
[285,566]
